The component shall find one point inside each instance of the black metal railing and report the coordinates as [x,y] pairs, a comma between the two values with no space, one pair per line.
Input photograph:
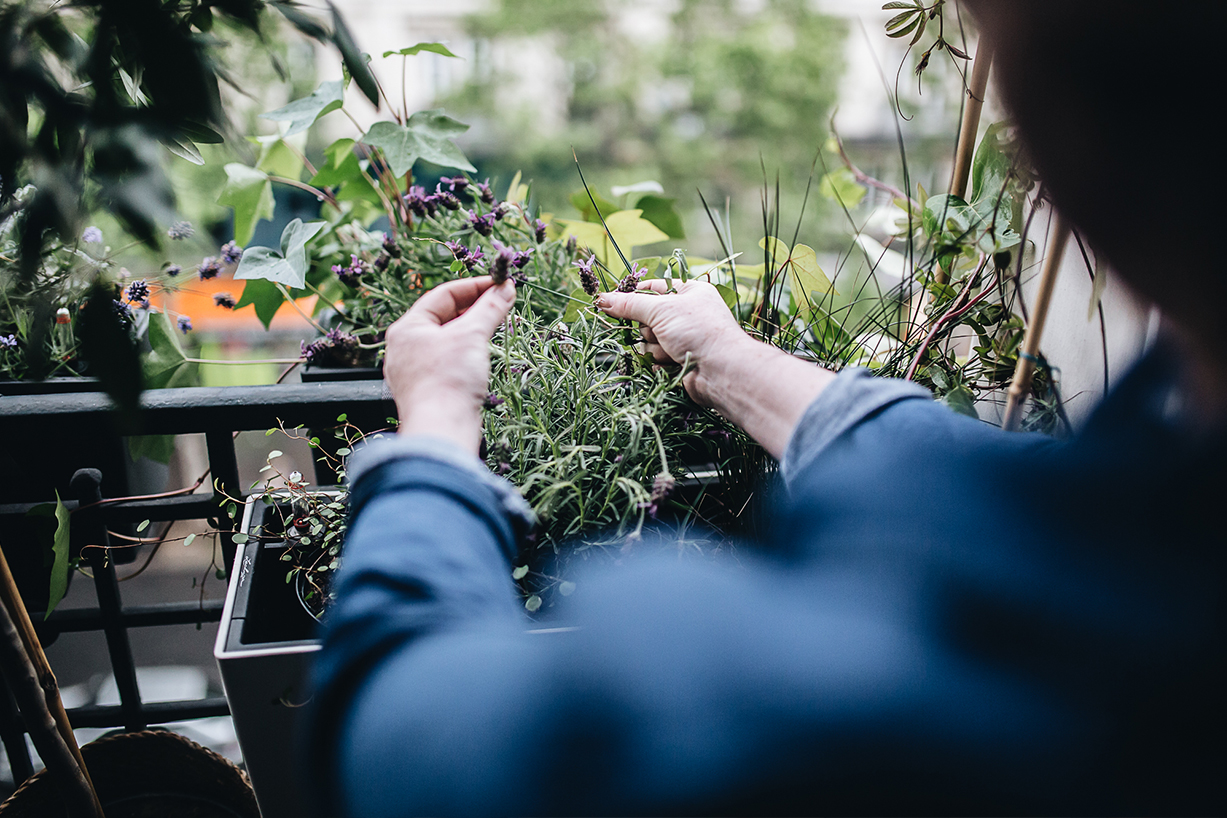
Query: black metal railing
[217,412]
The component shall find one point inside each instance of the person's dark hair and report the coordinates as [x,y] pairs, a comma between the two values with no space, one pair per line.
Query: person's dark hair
[1115,101]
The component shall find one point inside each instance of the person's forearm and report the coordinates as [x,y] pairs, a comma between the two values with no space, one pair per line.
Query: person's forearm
[762,389]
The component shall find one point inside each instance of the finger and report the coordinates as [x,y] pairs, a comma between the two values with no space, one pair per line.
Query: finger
[639,307]
[656,285]
[447,301]
[647,334]
[658,353]
[490,309]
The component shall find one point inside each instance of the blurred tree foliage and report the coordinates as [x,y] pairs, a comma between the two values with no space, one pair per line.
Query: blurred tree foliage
[91,92]
[696,99]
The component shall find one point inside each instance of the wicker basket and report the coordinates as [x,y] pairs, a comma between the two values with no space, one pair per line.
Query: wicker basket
[143,775]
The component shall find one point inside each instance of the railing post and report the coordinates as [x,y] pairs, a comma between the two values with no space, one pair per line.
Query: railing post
[85,488]
[225,469]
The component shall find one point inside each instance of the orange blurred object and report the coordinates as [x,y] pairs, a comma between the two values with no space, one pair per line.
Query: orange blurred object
[195,300]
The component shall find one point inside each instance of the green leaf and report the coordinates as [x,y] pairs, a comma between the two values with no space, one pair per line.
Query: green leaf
[275,453]
[427,135]
[239,539]
[302,113]
[143,525]
[533,603]
[250,193]
[165,365]
[355,61]
[189,539]
[566,588]
[962,401]
[840,185]
[289,267]
[266,297]
[158,448]
[586,211]
[520,572]
[806,278]
[662,213]
[437,48]
[277,158]
[628,229]
[184,150]
[1098,284]
[59,550]
[728,294]
[578,301]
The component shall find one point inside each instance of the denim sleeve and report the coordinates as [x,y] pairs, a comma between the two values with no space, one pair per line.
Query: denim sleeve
[853,397]
[431,541]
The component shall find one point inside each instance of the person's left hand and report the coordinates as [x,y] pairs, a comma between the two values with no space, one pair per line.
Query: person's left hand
[437,361]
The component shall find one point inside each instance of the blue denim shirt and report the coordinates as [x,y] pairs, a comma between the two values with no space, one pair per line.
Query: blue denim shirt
[954,620]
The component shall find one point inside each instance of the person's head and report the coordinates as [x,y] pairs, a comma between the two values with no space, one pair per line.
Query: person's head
[1115,100]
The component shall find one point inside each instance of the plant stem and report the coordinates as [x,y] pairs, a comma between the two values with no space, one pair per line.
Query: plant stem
[321,194]
[298,309]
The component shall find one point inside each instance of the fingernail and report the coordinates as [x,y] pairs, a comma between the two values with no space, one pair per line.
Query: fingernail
[600,302]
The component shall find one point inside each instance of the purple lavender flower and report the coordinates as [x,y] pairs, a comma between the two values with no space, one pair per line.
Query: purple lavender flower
[335,341]
[631,280]
[482,224]
[8,341]
[571,245]
[390,246]
[231,253]
[138,292]
[446,199]
[185,324]
[492,401]
[350,275]
[224,300]
[587,277]
[539,230]
[419,202]
[91,235]
[661,489]
[173,270]
[503,468]
[180,231]
[522,258]
[382,261]
[123,311]
[500,210]
[484,191]
[500,267]
[456,184]
[209,268]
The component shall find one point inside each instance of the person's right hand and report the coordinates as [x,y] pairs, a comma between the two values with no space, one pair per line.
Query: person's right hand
[692,325]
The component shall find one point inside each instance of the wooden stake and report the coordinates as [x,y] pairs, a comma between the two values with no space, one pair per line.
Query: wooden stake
[1024,370]
[48,709]
[971,119]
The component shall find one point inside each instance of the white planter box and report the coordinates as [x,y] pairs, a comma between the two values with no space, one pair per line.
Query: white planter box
[263,650]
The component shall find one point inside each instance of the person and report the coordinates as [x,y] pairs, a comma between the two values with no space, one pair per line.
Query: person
[953,619]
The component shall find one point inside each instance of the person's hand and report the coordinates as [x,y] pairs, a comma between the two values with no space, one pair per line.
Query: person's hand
[437,362]
[692,325]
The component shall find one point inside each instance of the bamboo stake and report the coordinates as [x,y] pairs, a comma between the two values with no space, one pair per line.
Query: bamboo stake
[1024,370]
[971,119]
[49,704]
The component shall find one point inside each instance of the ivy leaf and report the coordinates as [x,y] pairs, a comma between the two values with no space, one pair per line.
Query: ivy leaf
[342,168]
[806,278]
[302,113]
[840,185]
[584,205]
[184,150]
[265,296]
[437,48]
[662,213]
[277,158]
[250,193]
[628,228]
[962,401]
[352,56]
[165,365]
[289,267]
[427,135]
[59,550]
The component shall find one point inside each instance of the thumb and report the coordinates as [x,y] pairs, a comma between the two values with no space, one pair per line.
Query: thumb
[635,306]
[490,309]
